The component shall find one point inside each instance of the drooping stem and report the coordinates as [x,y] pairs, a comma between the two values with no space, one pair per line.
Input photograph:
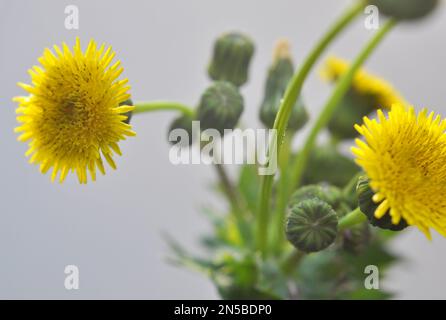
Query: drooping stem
[341,88]
[351,219]
[281,122]
[148,106]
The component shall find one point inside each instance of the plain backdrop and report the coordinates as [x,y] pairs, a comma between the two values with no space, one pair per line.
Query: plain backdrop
[112,229]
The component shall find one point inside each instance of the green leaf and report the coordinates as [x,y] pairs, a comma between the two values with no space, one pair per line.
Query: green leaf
[182,258]
[244,276]
[323,275]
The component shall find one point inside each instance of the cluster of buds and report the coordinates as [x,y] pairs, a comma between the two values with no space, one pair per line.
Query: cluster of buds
[221,104]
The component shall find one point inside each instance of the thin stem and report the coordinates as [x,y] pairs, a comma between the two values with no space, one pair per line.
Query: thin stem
[340,90]
[229,190]
[281,122]
[351,219]
[148,106]
[238,207]
[292,261]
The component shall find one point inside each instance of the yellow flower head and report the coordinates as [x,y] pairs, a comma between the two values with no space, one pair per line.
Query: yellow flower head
[404,156]
[363,83]
[72,116]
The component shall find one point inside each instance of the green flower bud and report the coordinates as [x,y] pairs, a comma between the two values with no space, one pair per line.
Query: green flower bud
[182,122]
[328,194]
[279,75]
[312,225]
[220,107]
[327,164]
[368,207]
[127,102]
[405,9]
[231,57]
[352,108]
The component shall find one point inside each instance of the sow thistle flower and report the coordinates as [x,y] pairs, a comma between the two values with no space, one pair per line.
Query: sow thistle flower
[74,115]
[367,94]
[404,156]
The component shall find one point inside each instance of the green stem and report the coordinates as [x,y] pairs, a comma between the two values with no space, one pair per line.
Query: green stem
[238,207]
[292,261]
[351,219]
[230,190]
[278,235]
[340,90]
[148,106]
[292,93]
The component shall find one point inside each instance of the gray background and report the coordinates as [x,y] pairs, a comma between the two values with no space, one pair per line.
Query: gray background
[111,229]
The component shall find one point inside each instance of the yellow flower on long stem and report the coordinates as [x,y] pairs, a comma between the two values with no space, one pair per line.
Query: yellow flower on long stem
[72,116]
[364,83]
[404,156]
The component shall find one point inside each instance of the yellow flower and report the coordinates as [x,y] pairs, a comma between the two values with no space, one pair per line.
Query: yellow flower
[72,117]
[404,156]
[363,83]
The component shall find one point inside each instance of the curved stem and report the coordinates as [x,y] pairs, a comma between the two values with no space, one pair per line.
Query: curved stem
[350,219]
[282,118]
[341,88]
[148,106]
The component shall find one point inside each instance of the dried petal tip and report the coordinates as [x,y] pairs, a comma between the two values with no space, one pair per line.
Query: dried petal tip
[282,50]
[279,75]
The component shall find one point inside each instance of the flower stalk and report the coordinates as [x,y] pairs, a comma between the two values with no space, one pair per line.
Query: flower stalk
[351,219]
[291,94]
[278,235]
[238,207]
[149,106]
[340,90]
